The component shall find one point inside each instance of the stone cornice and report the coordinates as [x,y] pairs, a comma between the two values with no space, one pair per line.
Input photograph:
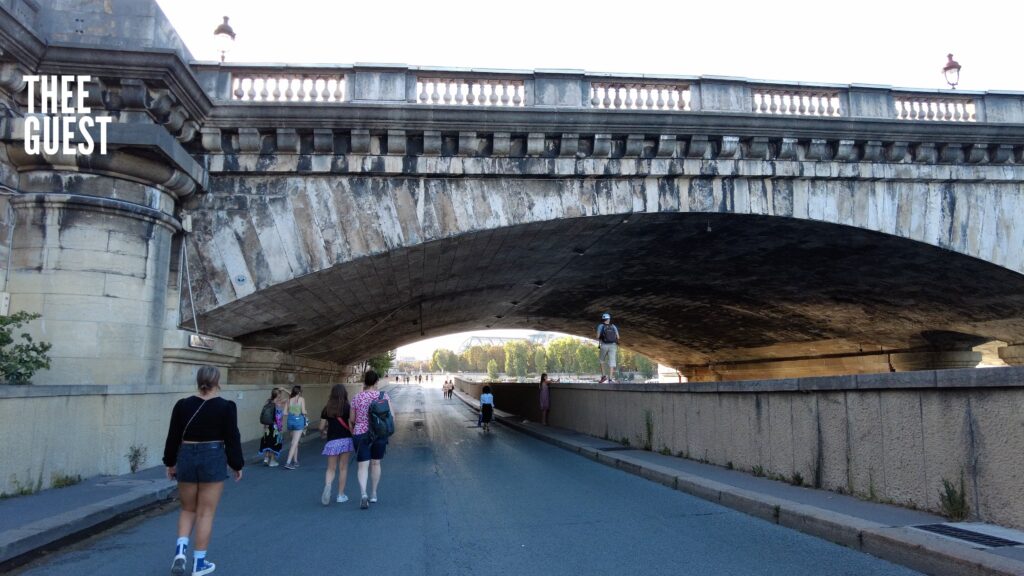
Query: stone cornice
[141,152]
[160,68]
[383,117]
[18,42]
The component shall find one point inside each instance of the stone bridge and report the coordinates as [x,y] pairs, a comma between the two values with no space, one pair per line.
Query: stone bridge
[302,218]
[735,228]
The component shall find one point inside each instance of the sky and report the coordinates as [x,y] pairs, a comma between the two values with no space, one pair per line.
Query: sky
[895,43]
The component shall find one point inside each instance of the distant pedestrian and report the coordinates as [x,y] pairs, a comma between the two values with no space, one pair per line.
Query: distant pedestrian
[486,408]
[369,450]
[202,441]
[545,398]
[273,432]
[297,421]
[335,428]
[608,346]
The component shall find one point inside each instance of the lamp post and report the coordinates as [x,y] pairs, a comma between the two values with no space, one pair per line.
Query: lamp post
[224,36]
[952,71]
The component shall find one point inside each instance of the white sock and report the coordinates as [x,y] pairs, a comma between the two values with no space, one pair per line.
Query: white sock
[200,556]
[182,546]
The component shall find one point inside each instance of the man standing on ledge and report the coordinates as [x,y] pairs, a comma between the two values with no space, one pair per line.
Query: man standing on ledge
[608,344]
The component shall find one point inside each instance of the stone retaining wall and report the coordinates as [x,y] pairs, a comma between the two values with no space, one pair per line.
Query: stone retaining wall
[887,437]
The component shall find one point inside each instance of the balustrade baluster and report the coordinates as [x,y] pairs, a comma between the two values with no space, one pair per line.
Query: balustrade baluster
[251,92]
[617,101]
[606,102]
[471,96]
[446,86]
[264,93]
[435,95]
[829,109]
[460,96]
[505,98]
[649,100]
[339,90]
[275,94]
[517,99]
[237,85]
[325,94]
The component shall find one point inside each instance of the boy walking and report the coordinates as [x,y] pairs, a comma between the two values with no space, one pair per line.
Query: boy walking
[608,346]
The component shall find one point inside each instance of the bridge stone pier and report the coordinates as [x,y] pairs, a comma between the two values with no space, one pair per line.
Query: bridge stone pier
[303,218]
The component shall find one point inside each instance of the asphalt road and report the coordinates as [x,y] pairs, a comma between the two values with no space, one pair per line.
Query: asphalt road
[454,501]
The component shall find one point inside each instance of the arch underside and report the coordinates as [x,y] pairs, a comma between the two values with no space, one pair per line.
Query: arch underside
[685,288]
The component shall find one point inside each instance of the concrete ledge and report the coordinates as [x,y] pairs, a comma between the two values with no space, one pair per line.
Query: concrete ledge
[934,555]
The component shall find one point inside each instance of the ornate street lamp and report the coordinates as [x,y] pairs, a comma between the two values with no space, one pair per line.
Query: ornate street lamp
[224,36]
[952,72]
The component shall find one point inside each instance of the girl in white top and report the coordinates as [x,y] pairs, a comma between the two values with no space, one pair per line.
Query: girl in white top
[486,408]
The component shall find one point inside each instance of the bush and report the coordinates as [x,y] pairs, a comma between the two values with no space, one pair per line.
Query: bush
[19,360]
[137,456]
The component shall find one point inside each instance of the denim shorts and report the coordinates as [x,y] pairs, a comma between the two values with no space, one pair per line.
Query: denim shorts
[367,450]
[203,462]
[296,421]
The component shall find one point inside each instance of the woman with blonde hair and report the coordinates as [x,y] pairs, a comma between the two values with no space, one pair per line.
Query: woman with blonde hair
[202,441]
[334,427]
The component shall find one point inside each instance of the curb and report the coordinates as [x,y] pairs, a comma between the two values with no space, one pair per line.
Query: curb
[900,545]
[17,545]
[20,542]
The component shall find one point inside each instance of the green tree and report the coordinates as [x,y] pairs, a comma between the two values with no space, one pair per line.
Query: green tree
[540,360]
[492,370]
[444,360]
[516,354]
[19,361]
[586,356]
[645,366]
[381,363]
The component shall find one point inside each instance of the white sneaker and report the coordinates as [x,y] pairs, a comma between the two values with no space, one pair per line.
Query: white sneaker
[373,499]
[325,498]
[178,566]
[274,464]
[341,498]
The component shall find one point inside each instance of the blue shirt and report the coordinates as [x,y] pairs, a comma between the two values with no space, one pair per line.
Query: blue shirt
[487,399]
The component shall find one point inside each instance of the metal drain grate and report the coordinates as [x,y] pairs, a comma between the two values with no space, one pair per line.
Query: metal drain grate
[969,536]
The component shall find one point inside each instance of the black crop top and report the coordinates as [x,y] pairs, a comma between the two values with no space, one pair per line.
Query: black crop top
[335,431]
[217,420]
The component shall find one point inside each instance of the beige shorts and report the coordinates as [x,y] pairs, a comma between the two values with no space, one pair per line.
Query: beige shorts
[608,354]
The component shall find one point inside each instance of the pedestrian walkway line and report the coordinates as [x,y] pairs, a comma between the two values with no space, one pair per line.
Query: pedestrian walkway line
[897,542]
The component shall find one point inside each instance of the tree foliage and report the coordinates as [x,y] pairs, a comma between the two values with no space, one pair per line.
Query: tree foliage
[381,363]
[19,360]
[492,370]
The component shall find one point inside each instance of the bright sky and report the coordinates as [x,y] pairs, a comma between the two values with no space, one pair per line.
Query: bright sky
[897,43]
[424,349]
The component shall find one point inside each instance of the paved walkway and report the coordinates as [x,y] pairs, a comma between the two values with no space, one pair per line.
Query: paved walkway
[457,501]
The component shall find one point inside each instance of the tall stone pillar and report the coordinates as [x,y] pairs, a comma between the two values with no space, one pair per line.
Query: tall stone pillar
[90,252]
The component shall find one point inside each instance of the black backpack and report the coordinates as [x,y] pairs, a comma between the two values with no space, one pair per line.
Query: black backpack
[609,334]
[382,423]
[267,414]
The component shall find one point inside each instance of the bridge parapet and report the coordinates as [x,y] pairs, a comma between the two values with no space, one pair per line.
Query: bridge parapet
[431,86]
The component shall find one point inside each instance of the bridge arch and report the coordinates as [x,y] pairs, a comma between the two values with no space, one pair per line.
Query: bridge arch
[723,276]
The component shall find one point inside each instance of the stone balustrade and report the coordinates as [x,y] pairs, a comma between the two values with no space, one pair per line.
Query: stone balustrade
[943,109]
[470,91]
[362,83]
[272,86]
[798,102]
[640,96]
